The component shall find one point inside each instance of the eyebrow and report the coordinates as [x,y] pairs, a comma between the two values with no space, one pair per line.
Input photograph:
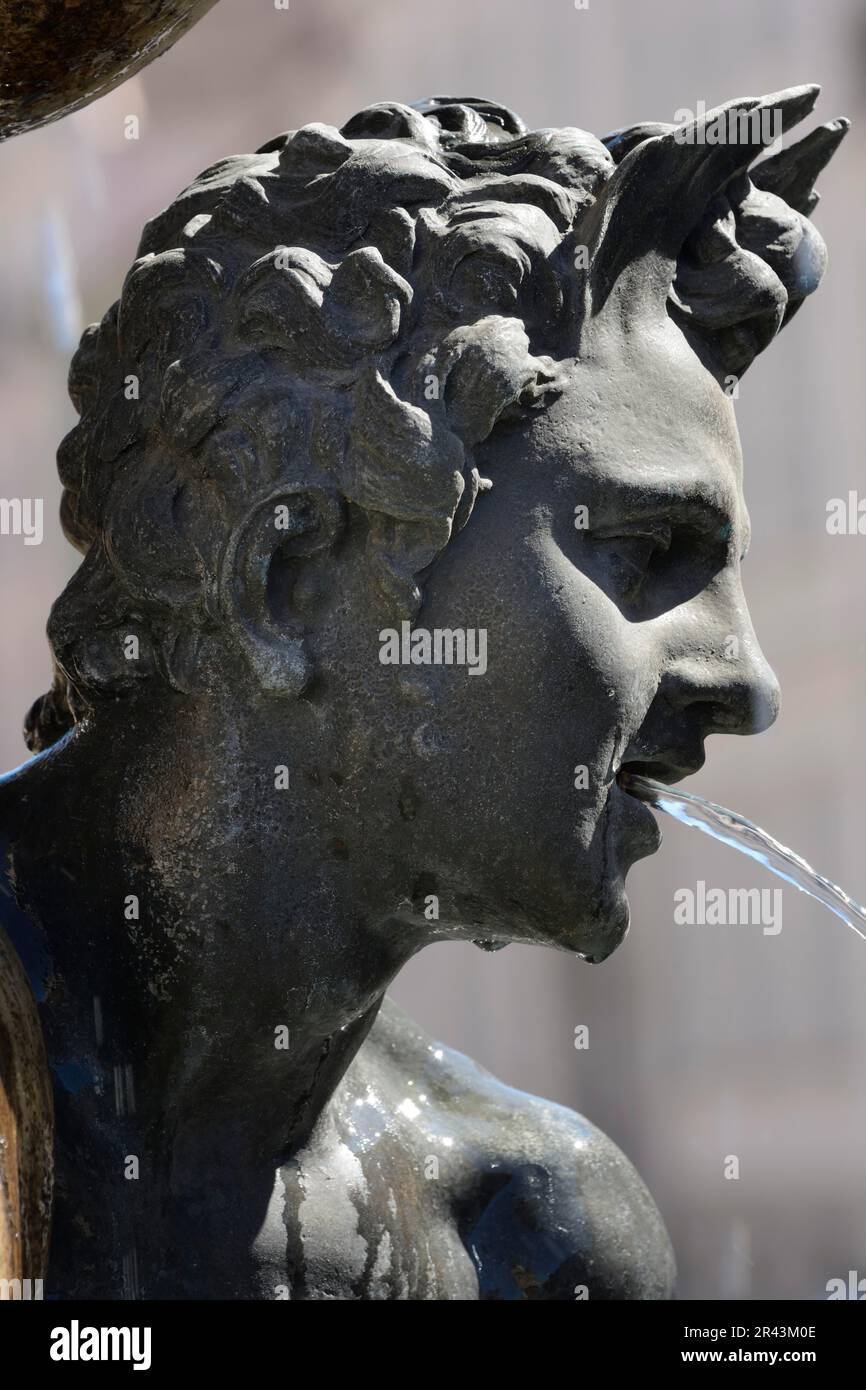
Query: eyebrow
[684,497]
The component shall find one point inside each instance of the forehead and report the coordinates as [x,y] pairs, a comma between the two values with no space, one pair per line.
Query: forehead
[649,419]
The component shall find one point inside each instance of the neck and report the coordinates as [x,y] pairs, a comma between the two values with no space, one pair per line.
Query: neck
[199,1008]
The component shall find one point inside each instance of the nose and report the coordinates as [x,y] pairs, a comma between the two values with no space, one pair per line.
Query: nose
[728,683]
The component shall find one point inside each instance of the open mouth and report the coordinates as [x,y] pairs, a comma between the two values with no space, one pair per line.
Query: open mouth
[642,831]
[637,829]
[658,768]
[634,783]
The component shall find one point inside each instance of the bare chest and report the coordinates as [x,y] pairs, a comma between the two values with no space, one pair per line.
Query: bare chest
[347,1225]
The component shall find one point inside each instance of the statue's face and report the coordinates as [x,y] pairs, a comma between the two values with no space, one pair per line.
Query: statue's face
[626,641]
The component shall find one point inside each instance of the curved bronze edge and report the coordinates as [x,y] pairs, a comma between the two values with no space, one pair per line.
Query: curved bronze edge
[59,57]
[26,1131]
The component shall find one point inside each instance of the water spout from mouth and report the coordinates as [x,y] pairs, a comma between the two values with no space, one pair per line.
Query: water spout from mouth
[749,839]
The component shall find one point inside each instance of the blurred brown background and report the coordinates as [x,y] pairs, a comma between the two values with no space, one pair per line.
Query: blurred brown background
[704,1041]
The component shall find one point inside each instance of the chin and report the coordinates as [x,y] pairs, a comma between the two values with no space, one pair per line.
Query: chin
[601,925]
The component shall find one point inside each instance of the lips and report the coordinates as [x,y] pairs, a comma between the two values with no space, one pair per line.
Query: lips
[668,767]
[641,833]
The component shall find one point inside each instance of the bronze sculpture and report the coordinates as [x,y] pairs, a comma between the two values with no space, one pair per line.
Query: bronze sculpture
[430,369]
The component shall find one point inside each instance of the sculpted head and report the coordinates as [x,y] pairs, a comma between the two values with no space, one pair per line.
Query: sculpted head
[436,369]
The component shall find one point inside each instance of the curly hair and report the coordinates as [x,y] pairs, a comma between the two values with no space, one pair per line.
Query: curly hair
[347,313]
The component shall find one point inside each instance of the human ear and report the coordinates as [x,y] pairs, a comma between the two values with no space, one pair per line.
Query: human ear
[271,583]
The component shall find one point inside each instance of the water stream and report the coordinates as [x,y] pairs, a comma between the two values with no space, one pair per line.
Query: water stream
[749,839]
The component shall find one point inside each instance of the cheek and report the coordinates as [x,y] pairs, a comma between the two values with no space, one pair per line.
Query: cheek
[595,661]
[561,691]
[542,729]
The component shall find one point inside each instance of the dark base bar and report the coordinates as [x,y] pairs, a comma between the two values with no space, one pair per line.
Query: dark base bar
[249,1337]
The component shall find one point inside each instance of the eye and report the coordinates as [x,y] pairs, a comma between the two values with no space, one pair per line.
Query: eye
[632,554]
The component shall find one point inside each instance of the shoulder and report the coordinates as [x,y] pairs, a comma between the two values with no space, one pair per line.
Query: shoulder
[547,1205]
[567,1215]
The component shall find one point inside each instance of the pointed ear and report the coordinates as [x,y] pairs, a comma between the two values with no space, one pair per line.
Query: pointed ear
[658,194]
[274,577]
[791,173]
